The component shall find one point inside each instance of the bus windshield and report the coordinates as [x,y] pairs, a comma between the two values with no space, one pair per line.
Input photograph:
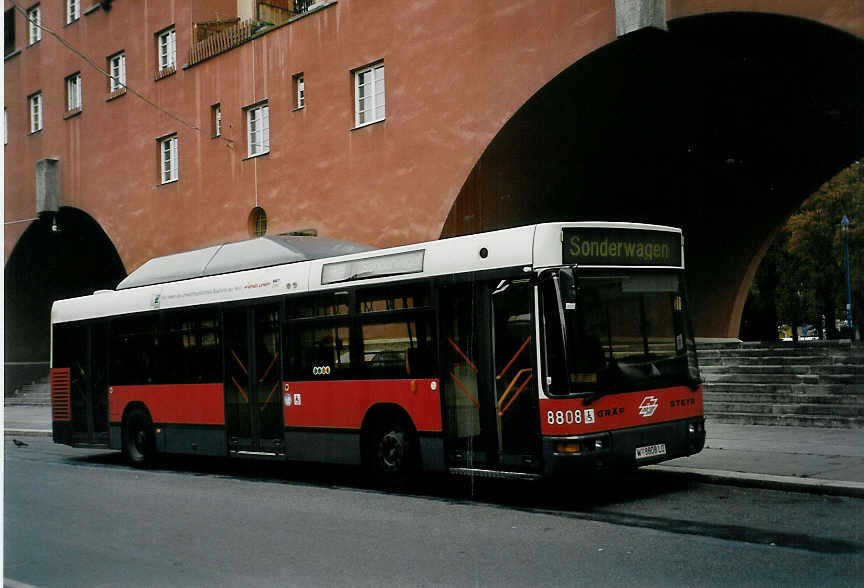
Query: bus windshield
[605,334]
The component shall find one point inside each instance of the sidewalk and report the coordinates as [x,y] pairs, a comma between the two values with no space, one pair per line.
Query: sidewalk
[803,459]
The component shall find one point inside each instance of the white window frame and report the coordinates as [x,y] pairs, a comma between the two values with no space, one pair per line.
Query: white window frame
[34,22]
[217,119]
[73,92]
[73,11]
[369,95]
[258,129]
[166,44]
[301,91]
[168,159]
[34,103]
[117,71]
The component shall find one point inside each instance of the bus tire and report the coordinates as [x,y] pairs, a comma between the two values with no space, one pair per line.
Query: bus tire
[392,452]
[139,439]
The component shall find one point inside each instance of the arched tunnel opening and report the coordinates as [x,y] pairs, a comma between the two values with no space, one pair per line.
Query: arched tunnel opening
[60,255]
[723,126]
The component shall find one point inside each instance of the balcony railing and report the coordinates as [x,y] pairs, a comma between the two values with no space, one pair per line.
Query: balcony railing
[214,38]
[220,42]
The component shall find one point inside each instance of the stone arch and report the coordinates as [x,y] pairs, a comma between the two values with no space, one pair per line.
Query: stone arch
[60,255]
[723,125]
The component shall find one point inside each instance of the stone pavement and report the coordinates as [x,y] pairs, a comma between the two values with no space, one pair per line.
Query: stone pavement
[806,459]
[809,459]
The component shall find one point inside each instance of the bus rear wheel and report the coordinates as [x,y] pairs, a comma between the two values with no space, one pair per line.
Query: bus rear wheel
[139,441]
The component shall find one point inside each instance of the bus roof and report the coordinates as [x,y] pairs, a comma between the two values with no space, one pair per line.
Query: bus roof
[192,284]
[233,257]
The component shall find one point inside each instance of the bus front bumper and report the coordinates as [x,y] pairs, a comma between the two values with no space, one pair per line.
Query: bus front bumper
[624,448]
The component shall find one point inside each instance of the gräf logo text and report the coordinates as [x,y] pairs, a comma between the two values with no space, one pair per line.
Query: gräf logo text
[648,406]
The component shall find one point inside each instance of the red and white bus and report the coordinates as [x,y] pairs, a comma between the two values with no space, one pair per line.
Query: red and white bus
[523,352]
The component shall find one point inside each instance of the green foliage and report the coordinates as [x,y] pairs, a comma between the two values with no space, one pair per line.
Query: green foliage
[804,271]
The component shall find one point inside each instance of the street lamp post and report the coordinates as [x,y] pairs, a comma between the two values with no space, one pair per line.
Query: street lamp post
[844,224]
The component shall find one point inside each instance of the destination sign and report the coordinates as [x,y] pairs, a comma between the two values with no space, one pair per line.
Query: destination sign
[610,246]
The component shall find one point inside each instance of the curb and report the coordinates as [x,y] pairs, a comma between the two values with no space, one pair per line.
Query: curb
[27,432]
[767,481]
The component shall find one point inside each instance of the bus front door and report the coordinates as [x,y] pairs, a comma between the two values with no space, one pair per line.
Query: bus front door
[516,401]
[253,376]
[487,375]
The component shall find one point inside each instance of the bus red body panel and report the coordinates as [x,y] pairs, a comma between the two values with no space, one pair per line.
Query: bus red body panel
[192,404]
[619,411]
[344,404]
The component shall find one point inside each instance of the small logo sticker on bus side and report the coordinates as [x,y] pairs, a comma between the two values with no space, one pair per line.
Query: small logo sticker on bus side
[287,400]
[297,400]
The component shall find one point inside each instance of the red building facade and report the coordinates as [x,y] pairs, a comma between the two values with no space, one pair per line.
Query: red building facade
[372,122]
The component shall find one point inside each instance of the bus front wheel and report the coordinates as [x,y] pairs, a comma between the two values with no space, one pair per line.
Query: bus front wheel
[392,451]
[139,441]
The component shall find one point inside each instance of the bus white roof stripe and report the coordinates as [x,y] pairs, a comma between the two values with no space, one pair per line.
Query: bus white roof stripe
[529,246]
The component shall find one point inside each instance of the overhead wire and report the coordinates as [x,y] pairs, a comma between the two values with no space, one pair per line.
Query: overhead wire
[93,64]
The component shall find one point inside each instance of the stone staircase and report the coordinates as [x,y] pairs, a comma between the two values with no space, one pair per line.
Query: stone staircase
[808,384]
[35,394]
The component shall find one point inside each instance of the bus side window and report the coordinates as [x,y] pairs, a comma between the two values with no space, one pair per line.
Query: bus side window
[318,352]
[396,349]
[134,342]
[396,331]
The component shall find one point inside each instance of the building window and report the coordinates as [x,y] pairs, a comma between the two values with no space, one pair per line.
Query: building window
[258,129]
[369,95]
[35,112]
[73,11]
[34,24]
[299,91]
[257,222]
[9,31]
[117,69]
[167,45]
[168,159]
[216,120]
[73,92]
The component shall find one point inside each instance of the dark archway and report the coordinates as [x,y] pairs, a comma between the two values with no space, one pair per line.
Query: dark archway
[47,265]
[723,125]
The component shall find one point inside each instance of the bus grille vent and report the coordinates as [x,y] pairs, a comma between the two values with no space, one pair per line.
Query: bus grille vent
[60,384]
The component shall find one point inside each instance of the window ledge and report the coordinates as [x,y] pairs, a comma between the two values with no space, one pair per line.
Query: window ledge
[298,108]
[115,94]
[92,9]
[70,113]
[12,54]
[256,156]
[167,183]
[369,124]
[164,73]
[36,132]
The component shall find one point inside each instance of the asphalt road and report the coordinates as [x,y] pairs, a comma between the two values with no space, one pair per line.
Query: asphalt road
[77,517]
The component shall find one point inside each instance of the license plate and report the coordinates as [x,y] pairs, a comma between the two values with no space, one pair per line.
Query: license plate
[650,451]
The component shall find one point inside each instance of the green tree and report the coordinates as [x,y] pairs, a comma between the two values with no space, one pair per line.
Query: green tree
[806,264]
